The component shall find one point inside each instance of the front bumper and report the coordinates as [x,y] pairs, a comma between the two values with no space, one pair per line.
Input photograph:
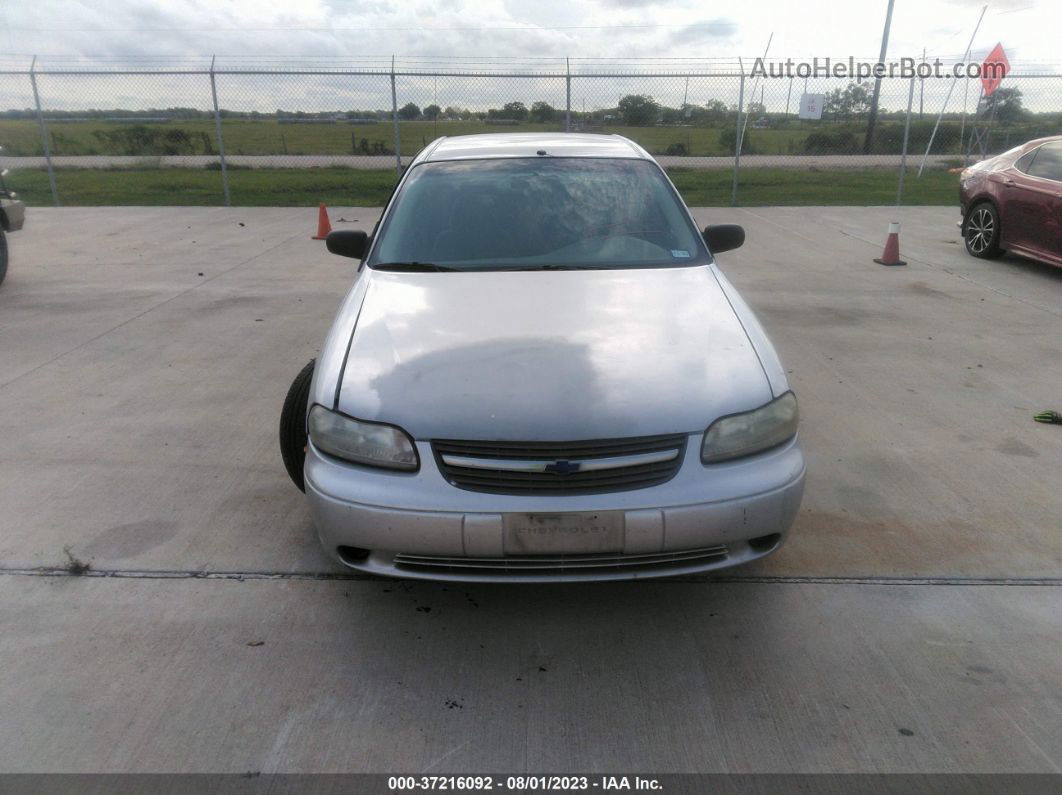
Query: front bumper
[420,526]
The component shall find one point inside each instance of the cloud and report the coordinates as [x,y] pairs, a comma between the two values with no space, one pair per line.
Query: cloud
[466,30]
[631,3]
[713,29]
[997,5]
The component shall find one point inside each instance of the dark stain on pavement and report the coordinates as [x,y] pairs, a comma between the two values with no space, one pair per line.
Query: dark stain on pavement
[1013,446]
[129,540]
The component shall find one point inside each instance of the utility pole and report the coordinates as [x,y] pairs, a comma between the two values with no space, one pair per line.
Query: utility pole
[872,120]
[922,89]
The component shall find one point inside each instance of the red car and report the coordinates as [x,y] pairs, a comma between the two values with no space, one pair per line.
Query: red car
[1013,202]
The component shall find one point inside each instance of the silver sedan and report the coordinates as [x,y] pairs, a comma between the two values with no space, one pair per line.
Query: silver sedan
[541,375]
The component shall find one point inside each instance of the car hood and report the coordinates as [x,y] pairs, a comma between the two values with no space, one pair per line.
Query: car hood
[549,355]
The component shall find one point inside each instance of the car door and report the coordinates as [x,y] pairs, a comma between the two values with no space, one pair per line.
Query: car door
[1046,175]
[1032,206]
[1018,201]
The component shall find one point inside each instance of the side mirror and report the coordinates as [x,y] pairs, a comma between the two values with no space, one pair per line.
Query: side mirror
[348,243]
[722,237]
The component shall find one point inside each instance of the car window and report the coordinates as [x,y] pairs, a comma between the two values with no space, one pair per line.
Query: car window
[1023,162]
[1048,163]
[538,212]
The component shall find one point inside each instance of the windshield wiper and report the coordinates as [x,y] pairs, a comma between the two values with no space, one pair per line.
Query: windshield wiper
[411,266]
[555,267]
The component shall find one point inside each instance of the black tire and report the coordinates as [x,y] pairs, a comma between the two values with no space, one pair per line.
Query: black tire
[983,231]
[3,256]
[293,433]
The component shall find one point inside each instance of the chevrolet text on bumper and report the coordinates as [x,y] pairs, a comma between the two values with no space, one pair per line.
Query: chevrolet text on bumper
[540,375]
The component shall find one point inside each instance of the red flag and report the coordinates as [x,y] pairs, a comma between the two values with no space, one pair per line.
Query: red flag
[993,69]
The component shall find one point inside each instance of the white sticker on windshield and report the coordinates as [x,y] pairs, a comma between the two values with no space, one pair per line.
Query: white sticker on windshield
[678,253]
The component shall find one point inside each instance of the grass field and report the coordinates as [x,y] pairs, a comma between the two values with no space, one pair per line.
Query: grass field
[269,137]
[361,188]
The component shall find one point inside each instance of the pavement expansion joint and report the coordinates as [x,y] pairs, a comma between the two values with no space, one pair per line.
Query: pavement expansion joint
[193,574]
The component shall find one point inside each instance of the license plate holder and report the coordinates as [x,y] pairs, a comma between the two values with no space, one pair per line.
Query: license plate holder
[563,533]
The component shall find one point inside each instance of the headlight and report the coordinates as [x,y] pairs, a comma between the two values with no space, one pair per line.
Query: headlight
[360,442]
[751,432]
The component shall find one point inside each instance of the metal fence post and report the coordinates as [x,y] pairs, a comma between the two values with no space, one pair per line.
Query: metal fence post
[568,95]
[394,116]
[906,134]
[951,88]
[962,127]
[44,132]
[738,135]
[221,139]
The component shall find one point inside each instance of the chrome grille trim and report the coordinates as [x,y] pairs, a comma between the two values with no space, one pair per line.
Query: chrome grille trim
[540,465]
[560,467]
[544,564]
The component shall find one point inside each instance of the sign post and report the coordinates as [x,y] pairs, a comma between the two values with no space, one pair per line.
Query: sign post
[993,69]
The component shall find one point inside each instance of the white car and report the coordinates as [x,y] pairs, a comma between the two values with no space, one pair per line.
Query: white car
[539,375]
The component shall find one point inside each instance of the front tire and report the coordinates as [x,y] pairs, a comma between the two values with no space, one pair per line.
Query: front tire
[293,432]
[983,231]
[3,256]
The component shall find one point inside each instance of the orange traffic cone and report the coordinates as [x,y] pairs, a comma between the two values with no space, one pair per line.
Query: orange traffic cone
[891,255]
[323,226]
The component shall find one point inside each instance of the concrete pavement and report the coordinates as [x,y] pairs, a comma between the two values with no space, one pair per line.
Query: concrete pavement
[159,676]
[144,354]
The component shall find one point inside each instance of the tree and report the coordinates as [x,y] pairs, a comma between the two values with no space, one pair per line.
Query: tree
[668,115]
[409,112]
[514,110]
[852,100]
[431,112]
[715,111]
[843,103]
[1007,104]
[542,112]
[638,110]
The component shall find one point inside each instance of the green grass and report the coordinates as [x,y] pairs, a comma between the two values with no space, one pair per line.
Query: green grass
[245,137]
[191,187]
[352,187]
[269,137]
[776,186]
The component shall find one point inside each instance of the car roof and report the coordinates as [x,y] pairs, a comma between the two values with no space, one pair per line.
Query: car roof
[559,144]
[1040,141]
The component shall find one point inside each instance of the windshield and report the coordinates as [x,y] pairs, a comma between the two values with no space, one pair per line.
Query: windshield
[522,213]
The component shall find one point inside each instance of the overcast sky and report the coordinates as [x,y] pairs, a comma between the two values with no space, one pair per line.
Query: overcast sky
[1029,29]
[481,29]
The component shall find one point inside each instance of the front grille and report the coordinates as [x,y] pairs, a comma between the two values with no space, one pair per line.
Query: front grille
[561,564]
[488,474]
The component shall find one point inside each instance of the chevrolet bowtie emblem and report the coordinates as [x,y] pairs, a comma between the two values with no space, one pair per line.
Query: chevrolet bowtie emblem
[563,467]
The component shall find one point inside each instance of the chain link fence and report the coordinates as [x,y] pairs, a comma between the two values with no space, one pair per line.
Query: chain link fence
[244,132]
